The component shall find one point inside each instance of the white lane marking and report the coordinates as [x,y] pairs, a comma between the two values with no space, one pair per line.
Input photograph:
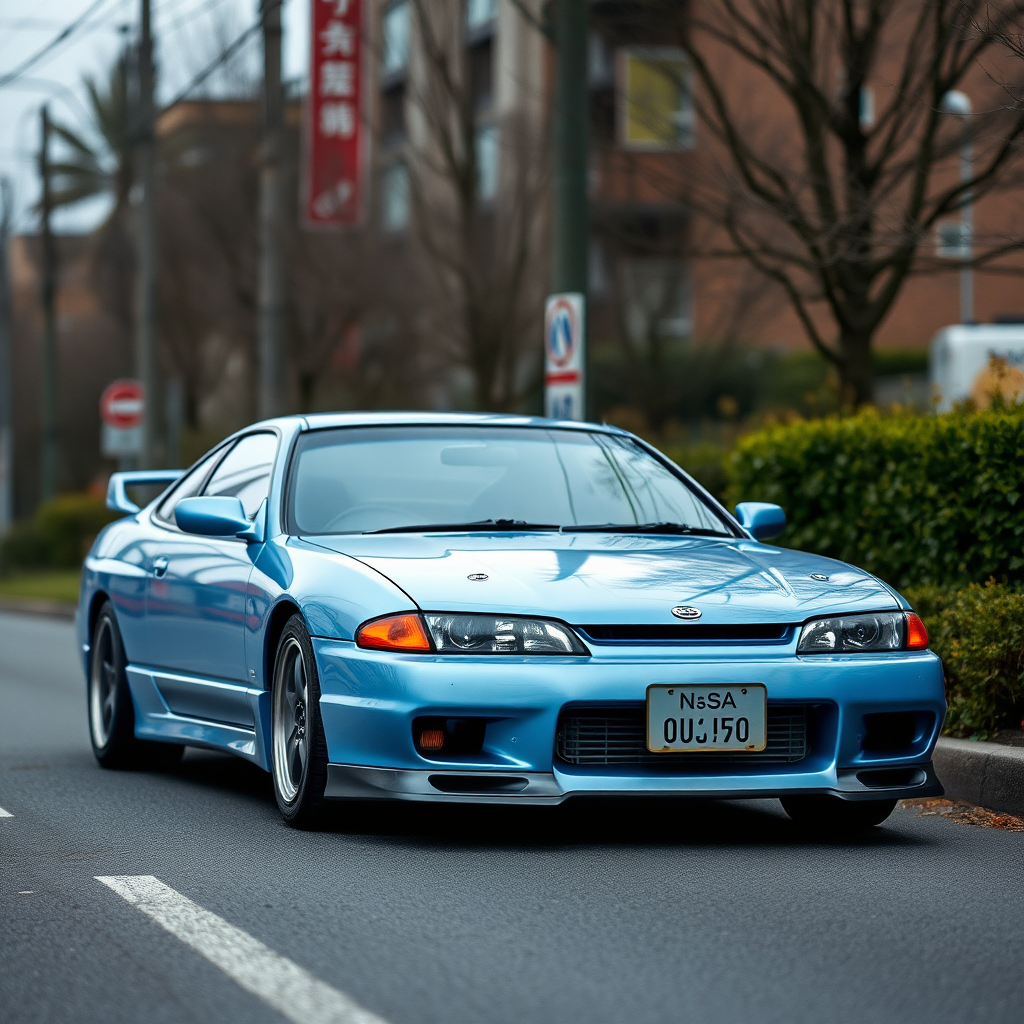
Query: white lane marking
[5,814]
[278,981]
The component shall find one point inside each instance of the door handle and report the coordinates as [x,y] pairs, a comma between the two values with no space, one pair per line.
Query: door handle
[160,566]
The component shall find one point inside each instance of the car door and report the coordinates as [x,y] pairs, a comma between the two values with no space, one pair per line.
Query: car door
[196,607]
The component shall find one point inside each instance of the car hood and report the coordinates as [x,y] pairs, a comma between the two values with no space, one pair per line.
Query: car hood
[602,578]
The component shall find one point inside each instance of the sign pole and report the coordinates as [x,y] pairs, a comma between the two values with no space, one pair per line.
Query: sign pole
[48,474]
[570,227]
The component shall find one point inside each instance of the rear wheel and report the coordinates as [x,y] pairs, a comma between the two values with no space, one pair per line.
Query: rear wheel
[111,714]
[298,745]
[830,814]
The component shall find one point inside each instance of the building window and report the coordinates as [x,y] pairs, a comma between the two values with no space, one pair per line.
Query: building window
[655,99]
[394,197]
[486,147]
[656,299]
[395,39]
[600,62]
[392,119]
[481,76]
[480,14]
[867,108]
[953,240]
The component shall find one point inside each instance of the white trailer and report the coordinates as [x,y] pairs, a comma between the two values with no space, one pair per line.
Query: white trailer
[959,354]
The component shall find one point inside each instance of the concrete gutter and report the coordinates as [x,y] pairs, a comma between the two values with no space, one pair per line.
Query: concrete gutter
[987,774]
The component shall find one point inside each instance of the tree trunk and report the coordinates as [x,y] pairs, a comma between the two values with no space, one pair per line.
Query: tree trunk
[856,370]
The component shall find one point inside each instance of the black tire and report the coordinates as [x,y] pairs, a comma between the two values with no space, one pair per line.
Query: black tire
[109,701]
[298,748]
[829,814]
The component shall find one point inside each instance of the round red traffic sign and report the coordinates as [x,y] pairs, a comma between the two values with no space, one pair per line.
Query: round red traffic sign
[123,403]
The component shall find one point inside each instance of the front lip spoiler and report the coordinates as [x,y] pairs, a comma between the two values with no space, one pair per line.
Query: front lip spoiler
[357,782]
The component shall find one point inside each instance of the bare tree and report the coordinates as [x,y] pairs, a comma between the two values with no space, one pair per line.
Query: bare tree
[483,251]
[827,198]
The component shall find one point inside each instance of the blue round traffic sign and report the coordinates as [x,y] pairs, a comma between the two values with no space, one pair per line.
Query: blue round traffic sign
[562,331]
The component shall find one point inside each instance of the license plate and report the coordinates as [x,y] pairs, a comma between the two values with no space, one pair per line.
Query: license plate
[708,716]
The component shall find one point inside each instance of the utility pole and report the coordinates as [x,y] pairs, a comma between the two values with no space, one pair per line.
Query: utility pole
[571,226]
[145,225]
[272,298]
[48,256]
[6,367]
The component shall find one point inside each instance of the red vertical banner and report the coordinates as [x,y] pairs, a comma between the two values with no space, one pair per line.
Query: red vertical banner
[334,177]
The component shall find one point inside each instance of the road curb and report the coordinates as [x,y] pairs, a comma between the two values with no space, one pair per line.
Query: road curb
[987,774]
[37,606]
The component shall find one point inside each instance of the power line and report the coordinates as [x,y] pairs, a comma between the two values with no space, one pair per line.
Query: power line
[222,57]
[67,31]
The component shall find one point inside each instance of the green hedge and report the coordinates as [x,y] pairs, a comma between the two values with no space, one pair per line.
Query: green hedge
[912,499]
[979,634]
[58,535]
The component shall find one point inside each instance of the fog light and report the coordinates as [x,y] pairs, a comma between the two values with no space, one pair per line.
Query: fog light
[446,739]
[431,739]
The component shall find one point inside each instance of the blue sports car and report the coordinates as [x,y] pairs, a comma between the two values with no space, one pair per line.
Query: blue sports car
[495,609]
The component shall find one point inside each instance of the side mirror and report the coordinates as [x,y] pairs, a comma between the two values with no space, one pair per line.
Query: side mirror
[761,519]
[212,517]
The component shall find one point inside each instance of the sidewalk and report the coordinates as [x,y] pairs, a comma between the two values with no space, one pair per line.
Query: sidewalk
[37,606]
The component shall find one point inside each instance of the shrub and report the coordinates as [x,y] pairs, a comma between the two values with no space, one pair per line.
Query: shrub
[979,634]
[58,535]
[913,499]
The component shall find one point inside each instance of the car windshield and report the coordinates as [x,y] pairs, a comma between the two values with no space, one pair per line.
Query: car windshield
[369,479]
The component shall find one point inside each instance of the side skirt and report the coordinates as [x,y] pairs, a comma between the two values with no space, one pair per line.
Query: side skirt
[154,720]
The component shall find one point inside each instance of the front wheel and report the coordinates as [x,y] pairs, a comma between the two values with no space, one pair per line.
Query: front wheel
[831,815]
[111,714]
[298,746]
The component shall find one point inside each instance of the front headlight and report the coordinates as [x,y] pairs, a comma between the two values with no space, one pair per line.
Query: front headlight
[501,634]
[879,631]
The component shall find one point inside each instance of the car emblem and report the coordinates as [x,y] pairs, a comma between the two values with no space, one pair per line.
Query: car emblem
[684,611]
[477,576]
[819,577]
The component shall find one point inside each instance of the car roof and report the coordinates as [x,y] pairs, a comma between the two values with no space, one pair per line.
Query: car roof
[325,420]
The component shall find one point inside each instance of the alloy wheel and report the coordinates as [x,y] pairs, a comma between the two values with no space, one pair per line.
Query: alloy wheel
[290,731]
[103,686]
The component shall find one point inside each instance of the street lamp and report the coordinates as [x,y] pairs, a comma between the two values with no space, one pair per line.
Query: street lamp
[959,103]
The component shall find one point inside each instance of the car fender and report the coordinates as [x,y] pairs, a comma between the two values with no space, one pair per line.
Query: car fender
[333,592]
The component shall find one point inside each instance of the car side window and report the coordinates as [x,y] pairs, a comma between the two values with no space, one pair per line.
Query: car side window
[187,487]
[245,472]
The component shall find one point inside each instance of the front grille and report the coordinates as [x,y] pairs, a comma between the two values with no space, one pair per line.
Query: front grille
[618,736]
[689,633]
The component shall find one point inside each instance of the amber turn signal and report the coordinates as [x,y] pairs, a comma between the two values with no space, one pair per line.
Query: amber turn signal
[394,633]
[917,635]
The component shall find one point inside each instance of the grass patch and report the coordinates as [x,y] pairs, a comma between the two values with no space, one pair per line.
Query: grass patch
[45,584]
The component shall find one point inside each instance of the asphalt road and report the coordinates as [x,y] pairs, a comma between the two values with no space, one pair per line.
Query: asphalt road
[598,913]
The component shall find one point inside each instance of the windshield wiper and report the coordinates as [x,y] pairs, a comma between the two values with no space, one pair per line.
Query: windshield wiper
[670,528]
[506,525]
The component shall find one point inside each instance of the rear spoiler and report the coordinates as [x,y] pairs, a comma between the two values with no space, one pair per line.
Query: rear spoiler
[117,496]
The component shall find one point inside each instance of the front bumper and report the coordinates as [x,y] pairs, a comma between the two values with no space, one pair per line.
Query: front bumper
[369,701]
[355,782]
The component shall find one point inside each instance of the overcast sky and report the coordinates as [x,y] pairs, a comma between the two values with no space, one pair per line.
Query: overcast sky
[188,35]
